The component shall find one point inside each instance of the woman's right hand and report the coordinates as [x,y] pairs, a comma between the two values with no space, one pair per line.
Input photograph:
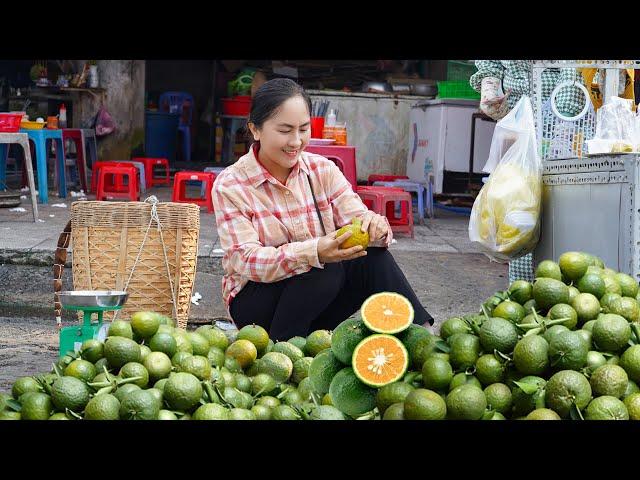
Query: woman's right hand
[329,250]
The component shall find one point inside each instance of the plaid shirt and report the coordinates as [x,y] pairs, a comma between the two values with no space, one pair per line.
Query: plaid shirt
[269,231]
[515,76]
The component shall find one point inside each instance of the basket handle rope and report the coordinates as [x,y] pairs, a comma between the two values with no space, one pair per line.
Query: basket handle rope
[153,200]
[60,259]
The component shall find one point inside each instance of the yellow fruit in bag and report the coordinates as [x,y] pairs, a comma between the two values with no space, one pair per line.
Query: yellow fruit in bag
[507,211]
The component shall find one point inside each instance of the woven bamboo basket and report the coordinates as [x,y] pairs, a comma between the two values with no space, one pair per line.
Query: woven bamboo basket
[107,240]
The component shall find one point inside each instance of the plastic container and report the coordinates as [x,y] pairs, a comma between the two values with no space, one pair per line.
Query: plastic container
[340,133]
[161,135]
[33,125]
[317,126]
[10,122]
[331,118]
[62,119]
[239,105]
[456,89]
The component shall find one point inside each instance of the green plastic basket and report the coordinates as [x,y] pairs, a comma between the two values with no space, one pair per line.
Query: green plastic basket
[456,89]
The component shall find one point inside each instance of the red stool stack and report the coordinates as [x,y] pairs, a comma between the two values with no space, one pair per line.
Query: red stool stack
[115,187]
[180,183]
[382,201]
[149,165]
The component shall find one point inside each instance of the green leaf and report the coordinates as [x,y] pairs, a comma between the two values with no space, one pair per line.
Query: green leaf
[575,412]
[443,346]
[14,405]
[528,388]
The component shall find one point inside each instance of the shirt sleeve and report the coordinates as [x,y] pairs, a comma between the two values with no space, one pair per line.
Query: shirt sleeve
[347,204]
[486,68]
[244,252]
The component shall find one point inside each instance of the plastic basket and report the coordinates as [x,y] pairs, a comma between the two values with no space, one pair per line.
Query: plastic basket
[456,89]
[10,122]
[239,105]
[460,71]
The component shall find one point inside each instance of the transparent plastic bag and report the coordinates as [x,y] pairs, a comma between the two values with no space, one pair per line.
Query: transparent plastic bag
[617,129]
[505,218]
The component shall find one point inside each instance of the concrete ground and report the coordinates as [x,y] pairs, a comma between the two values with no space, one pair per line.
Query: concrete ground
[449,274]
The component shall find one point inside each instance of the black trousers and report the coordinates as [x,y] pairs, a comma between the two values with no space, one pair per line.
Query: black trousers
[322,298]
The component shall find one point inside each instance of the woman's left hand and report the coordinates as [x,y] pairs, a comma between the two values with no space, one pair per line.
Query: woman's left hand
[376,225]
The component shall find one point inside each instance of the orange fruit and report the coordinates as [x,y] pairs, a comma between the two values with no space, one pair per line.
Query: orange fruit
[379,360]
[387,312]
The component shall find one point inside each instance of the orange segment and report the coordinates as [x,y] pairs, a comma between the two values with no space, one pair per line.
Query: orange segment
[379,360]
[387,312]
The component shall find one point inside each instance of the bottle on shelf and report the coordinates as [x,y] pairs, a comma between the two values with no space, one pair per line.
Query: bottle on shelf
[62,118]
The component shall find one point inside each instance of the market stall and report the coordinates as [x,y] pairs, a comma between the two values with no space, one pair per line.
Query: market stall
[589,200]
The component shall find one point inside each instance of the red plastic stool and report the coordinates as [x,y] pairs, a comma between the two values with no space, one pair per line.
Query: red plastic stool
[371,196]
[384,178]
[118,171]
[382,201]
[344,156]
[112,182]
[149,165]
[179,188]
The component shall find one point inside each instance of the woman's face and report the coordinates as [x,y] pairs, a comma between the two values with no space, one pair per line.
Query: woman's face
[283,136]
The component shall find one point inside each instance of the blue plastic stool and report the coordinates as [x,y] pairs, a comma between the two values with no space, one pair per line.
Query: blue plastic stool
[423,192]
[175,102]
[40,139]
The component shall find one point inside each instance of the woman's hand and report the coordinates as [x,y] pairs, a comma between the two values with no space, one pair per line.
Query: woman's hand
[492,103]
[329,249]
[376,225]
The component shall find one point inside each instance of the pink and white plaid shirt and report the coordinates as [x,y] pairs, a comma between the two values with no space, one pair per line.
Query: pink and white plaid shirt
[269,231]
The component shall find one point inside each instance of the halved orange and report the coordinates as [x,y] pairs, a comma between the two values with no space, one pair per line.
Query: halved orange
[387,312]
[379,360]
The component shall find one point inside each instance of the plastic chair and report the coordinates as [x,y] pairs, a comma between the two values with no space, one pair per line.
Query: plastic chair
[6,139]
[180,181]
[118,171]
[40,139]
[182,103]
[422,191]
[149,165]
[76,136]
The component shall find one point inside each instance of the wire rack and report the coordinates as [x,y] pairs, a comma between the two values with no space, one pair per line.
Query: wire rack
[565,138]
[561,138]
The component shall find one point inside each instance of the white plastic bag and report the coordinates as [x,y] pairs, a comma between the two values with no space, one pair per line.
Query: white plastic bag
[616,128]
[505,218]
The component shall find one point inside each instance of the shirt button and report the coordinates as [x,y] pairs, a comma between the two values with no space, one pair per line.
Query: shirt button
[287,193]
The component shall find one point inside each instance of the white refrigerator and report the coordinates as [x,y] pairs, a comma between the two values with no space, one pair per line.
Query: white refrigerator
[440,139]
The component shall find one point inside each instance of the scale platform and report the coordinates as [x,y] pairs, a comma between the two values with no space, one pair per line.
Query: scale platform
[89,302]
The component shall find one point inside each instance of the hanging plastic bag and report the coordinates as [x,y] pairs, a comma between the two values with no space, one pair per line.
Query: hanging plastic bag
[104,122]
[505,218]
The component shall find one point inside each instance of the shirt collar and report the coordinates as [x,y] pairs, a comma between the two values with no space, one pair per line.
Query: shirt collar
[259,174]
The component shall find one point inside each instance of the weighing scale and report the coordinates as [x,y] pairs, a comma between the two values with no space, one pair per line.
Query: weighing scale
[89,302]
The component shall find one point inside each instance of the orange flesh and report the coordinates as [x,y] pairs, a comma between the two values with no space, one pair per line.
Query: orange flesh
[380,360]
[387,312]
